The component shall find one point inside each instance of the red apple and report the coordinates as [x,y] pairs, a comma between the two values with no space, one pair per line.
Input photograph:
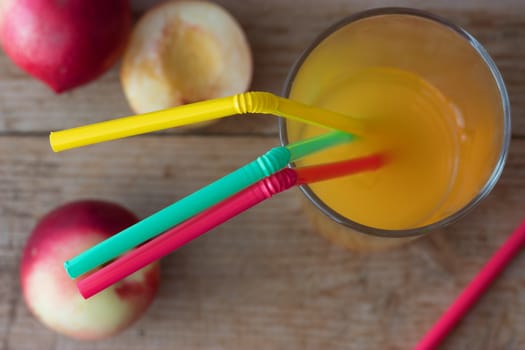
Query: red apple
[54,298]
[64,43]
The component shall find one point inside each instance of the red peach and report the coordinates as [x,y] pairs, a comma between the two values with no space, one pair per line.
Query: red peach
[64,43]
[54,298]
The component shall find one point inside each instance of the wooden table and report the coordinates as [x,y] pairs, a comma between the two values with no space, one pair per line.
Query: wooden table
[265,280]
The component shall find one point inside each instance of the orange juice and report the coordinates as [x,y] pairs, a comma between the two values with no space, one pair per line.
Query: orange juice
[416,125]
[429,96]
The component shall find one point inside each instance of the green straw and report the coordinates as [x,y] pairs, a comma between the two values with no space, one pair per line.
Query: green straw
[265,165]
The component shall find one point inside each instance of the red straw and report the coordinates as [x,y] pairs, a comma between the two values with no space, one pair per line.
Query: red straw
[315,173]
[473,291]
[214,216]
[185,232]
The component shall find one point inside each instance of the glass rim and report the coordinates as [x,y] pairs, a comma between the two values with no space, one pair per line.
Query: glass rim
[485,57]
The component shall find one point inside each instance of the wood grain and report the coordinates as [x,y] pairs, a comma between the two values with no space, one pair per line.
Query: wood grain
[264,280]
[258,281]
[26,106]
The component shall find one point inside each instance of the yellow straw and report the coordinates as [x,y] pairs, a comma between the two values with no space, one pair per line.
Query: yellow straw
[249,102]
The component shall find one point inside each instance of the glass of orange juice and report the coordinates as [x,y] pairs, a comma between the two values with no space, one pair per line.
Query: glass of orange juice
[431,98]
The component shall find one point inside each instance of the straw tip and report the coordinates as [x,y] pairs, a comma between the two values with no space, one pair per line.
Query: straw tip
[69,269]
[53,142]
[84,289]
[383,159]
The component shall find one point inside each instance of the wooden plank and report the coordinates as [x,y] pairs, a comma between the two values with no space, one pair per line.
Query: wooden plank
[26,106]
[265,279]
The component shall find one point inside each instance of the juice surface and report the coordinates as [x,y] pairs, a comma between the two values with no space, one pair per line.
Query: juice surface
[415,124]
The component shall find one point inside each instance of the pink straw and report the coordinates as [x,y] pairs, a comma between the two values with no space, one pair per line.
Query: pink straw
[185,232]
[217,214]
[473,291]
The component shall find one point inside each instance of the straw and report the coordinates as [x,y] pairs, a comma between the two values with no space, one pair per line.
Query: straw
[249,102]
[474,290]
[265,165]
[214,216]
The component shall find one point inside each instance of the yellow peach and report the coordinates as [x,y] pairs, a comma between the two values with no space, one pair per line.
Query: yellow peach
[182,52]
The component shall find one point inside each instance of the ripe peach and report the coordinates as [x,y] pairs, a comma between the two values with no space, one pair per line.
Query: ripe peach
[64,43]
[53,297]
[182,52]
